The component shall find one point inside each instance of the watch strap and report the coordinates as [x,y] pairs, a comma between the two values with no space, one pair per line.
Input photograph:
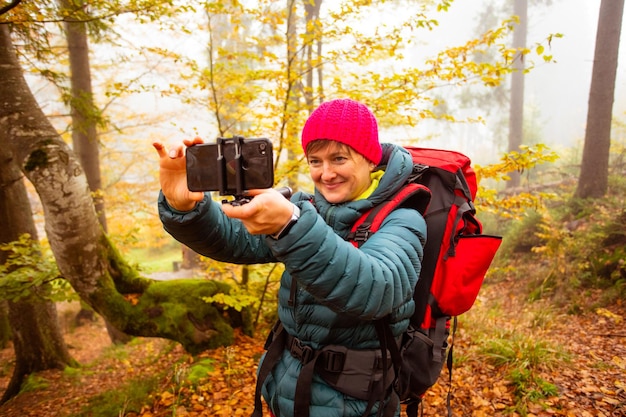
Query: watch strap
[294,218]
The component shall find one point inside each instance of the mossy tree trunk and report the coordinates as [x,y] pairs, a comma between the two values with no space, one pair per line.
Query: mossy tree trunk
[86,258]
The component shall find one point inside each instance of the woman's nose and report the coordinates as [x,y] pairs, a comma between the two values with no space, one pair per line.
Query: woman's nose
[328,172]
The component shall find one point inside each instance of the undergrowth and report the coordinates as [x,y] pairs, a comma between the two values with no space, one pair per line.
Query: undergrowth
[129,397]
[514,339]
[134,393]
[567,257]
[575,250]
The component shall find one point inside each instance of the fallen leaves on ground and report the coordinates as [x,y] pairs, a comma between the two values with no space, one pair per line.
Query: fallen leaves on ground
[592,383]
[227,390]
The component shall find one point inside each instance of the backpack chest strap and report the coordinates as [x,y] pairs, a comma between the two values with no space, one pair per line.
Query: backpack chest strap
[412,195]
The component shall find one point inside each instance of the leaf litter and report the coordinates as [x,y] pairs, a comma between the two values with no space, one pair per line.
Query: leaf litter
[591,383]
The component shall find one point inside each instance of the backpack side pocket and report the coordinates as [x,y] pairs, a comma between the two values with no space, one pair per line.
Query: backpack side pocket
[420,369]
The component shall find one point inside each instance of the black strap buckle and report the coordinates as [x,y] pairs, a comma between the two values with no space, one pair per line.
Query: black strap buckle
[333,361]
[362,233]
[301,352]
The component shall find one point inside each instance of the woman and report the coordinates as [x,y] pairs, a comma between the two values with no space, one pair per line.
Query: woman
[330,292]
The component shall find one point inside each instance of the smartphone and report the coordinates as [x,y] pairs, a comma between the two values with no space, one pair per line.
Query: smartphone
[231,165]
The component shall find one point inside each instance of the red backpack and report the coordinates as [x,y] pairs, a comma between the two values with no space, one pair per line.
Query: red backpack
[456,258]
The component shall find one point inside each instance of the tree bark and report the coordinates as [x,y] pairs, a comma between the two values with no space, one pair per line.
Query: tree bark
[86,258]
[516,110]
[5,327]
[191,259]
[84,126]
[313,50]
[36,335]
[37,341]
[594,173]
[84,112]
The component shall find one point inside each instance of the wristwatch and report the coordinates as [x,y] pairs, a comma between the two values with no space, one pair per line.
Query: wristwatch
[294,218]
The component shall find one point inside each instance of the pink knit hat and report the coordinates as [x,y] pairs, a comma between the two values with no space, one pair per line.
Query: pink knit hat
[346,121]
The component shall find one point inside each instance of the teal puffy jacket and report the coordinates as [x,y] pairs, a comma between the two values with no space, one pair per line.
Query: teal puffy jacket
[330,290]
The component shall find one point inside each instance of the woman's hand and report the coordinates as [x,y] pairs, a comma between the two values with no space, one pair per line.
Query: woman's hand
[267,213]
[173,175]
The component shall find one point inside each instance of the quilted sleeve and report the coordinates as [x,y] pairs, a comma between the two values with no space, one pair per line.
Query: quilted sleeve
[209,232]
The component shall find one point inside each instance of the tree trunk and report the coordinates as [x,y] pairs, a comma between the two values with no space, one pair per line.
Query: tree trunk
[313,52]
[36,335]
[594,173]
[84,121]
[84,112]
[37,341]
[294,87]
[5,328]
[516,110]
[135,305]
[191,259]
[312,92]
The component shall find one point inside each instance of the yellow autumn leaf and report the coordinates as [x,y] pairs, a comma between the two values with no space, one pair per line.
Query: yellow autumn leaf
[620,362]
[608,314]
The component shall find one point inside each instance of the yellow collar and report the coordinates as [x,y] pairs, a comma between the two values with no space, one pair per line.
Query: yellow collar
[375,176]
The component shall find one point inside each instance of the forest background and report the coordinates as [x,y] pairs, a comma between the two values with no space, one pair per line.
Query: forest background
[437,76]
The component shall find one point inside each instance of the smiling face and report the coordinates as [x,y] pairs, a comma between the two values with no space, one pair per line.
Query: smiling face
[339,173]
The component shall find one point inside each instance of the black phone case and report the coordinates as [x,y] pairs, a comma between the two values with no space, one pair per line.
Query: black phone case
[206,171]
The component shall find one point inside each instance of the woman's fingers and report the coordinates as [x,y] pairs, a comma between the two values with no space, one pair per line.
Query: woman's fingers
[175,152]
[195,141]
[160,148]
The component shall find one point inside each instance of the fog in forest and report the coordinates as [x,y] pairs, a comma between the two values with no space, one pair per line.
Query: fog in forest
[556,93]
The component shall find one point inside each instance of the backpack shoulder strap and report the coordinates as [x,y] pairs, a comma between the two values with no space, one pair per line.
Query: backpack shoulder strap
[412,195]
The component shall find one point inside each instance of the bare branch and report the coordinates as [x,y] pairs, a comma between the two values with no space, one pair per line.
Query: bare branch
[9,6]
